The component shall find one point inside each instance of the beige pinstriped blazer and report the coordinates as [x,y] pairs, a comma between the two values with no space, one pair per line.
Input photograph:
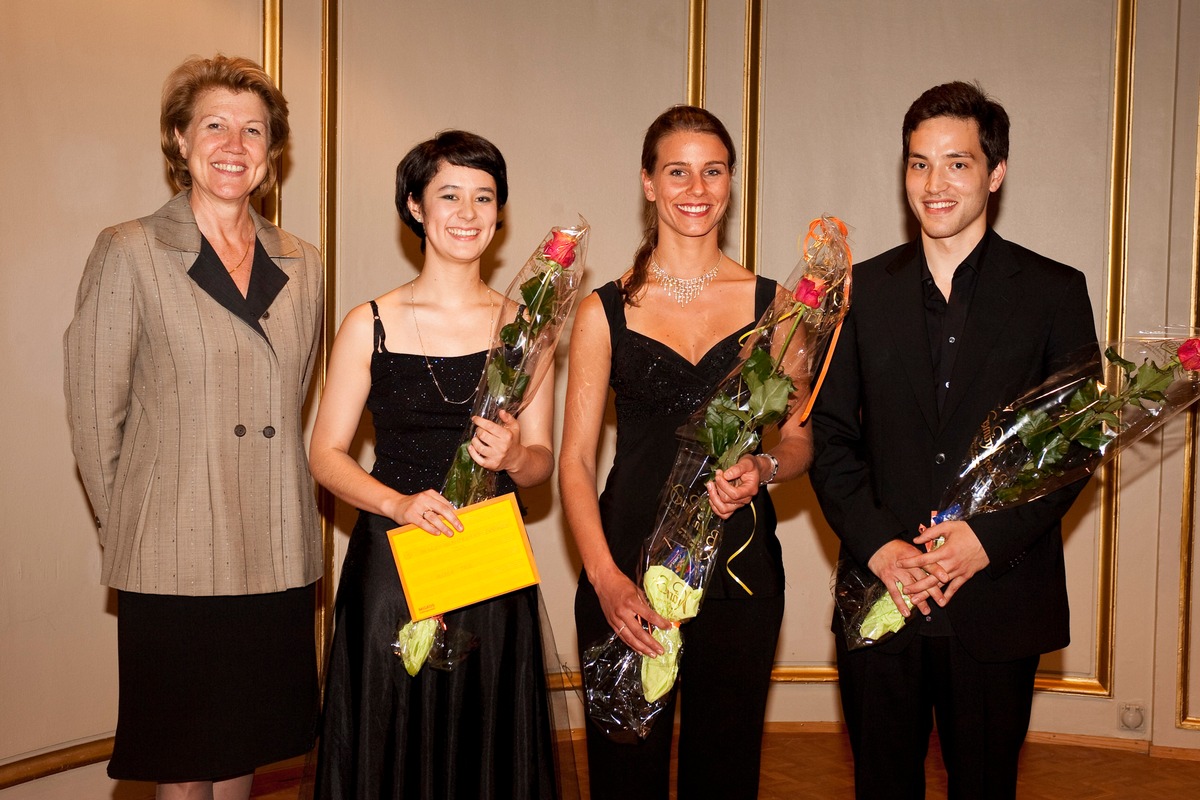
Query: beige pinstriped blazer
[186,420]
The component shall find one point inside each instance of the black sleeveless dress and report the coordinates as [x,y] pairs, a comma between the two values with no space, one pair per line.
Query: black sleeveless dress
[482,730]
[729,648]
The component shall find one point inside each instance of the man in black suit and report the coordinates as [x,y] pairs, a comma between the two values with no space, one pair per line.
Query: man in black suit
[941,331]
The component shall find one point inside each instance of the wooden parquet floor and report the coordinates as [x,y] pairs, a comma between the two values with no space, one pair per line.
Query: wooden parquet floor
[817,766]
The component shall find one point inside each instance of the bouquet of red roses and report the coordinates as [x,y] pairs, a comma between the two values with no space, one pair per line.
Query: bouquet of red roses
[540,298]
[1051,436]
[624,691]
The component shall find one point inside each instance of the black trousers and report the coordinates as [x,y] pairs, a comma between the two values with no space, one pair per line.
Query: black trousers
[890,701]
[724,676]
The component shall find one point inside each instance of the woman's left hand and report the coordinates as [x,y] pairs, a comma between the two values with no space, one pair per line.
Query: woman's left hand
[496,445]
[734,487]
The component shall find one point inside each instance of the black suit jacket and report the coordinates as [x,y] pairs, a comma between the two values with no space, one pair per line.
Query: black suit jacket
[884,453]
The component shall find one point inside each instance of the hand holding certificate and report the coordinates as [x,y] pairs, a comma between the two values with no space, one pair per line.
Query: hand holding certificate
[489,557]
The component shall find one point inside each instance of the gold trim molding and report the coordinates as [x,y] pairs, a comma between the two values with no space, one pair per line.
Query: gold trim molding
[1100,684]
[697,58]
[1184,719]
[272,62]
[751,132]
[55,761]
[330,76]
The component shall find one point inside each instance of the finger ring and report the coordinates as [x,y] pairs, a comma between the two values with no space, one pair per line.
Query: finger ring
[425,513]
[621,630]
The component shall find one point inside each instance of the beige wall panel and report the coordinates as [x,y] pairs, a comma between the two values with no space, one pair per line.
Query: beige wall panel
[837,81]
[566,90]
[725,48]
[81,93]
[301,49]
[1176,694]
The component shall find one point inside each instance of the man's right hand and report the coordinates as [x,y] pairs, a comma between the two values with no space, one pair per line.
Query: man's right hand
[917,584]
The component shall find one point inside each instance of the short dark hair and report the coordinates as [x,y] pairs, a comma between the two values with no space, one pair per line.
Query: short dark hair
[459,148]
[193,78]
[963,101]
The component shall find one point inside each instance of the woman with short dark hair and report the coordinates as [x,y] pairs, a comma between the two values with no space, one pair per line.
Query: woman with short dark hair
[414,358]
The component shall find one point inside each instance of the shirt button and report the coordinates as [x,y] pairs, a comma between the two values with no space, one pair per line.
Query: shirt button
[268,431]
[929,618]
[947,384]
[267,315]
[239,430]
[951,340]
[940,458]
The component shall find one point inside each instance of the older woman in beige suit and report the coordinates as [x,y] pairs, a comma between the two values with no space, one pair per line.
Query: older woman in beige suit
[187,364]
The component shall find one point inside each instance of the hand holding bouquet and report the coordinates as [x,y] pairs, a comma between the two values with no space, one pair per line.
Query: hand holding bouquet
[543,293]
[541,296]
[625,691]
[1051,436]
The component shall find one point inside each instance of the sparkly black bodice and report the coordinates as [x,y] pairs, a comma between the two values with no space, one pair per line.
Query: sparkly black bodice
[656,390]
[416,430]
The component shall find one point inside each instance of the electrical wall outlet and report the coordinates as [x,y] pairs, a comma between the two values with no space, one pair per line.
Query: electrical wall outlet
[1132,716]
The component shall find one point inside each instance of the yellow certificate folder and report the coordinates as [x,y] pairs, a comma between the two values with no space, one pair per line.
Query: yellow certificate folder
[489,557]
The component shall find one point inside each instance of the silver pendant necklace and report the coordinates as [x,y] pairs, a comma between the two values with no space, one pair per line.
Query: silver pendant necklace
[684,290]
[412,300]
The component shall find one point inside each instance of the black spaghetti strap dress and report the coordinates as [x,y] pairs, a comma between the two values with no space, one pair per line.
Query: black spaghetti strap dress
[482,730]
[729,648]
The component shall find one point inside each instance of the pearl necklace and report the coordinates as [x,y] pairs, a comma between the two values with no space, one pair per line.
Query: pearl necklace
[684,290]
[412,299]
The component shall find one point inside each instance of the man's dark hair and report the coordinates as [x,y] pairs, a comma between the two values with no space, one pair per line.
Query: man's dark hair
[963,101]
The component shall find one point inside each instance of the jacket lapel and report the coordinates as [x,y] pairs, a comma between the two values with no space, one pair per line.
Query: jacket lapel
[910,332]
[176,229]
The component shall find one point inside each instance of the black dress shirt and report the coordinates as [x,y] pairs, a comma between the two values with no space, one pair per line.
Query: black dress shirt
[945,320]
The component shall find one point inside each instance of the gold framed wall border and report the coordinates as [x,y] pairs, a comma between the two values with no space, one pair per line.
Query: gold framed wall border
[1101,681]
[272,63]
[697,59]
[1187,535]
[1187,544]
[328,202]
[751,132]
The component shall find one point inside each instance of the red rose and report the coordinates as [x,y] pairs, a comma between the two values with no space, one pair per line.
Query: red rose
[810,292]
[1189,354]
[561,249]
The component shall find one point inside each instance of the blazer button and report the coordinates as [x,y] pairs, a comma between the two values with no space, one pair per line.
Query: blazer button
[265,315]
[268,432]
[940,458]
[239,430]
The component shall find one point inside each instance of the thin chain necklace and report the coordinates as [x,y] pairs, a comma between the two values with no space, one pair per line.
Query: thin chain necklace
[412,300]
[242,260]
[684,290]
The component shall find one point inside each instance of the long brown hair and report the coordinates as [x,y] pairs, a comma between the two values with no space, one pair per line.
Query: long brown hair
[675,119]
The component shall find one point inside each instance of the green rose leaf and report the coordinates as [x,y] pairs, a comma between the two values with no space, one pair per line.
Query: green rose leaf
[1114,357]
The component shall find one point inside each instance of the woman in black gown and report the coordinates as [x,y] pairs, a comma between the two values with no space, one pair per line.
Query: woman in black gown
[662,337]
[413,357]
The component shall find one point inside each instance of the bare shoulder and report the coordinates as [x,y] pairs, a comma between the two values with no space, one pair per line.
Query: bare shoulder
[733,271]
[359,323]
[590,315]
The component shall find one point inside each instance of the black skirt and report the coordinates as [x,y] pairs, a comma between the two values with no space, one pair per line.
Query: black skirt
[213,687]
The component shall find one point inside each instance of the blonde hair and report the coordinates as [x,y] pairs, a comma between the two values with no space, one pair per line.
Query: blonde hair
[193,78]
